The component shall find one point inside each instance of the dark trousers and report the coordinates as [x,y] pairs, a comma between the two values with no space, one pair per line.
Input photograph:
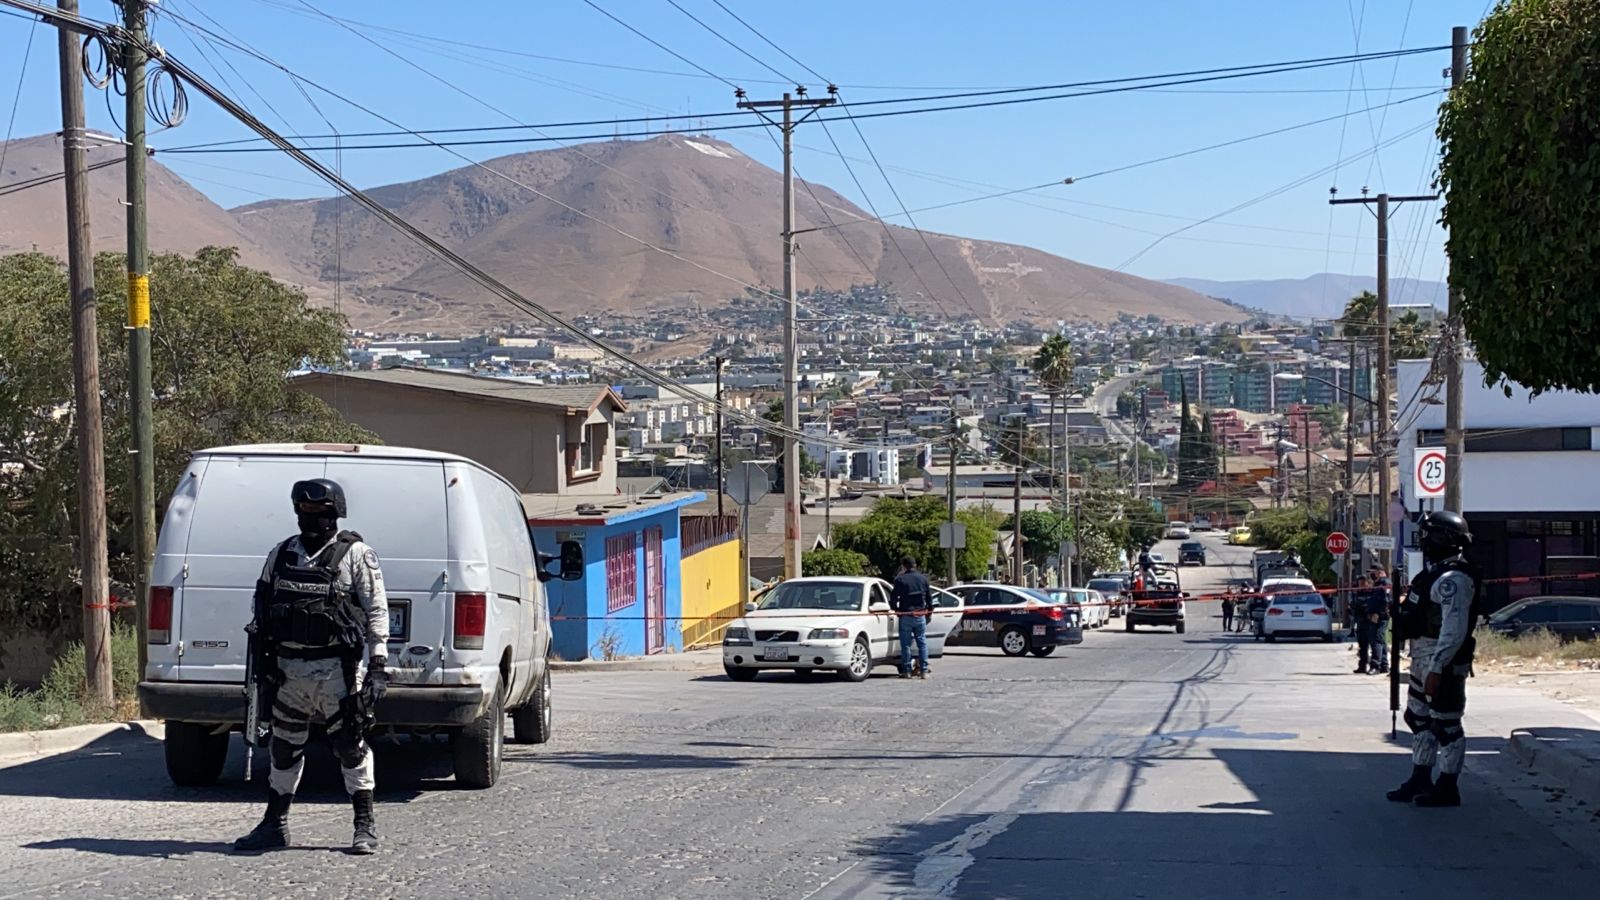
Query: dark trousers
[1227,618]
[1370,649]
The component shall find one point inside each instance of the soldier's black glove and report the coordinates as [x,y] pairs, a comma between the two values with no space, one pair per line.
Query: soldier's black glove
[376,683]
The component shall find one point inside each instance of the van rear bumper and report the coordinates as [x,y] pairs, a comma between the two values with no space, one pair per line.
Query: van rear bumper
[223,704]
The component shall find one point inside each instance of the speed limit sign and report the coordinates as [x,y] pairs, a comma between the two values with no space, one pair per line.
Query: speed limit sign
[1430,471]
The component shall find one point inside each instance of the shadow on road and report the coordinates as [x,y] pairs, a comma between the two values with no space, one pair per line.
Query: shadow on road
[156,849]
[131,768]
[1330,806]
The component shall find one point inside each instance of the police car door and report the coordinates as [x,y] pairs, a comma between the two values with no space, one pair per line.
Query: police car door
[945,623]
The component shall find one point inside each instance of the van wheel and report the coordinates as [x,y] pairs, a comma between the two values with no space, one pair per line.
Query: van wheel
[477,748]
[195,755]
[531,723]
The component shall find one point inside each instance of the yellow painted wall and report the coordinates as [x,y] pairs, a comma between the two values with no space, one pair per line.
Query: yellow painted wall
[711,595]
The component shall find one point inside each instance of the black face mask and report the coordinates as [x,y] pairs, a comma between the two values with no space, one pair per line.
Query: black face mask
[318,524]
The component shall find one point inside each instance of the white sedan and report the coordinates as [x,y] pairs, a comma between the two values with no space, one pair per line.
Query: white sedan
[1090,605]
[824,623]
[1294,609]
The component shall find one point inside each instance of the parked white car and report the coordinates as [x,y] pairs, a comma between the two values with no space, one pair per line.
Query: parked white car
[831,624]
[1177,530]
[1089,605]
[1295,609]
[469,628]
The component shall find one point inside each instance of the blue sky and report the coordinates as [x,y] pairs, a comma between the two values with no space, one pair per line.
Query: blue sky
[875,50]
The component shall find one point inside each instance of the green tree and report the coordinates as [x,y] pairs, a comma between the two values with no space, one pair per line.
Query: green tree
[835,562]
[1043,530]
[896,527]
[1409,337]
[1361,316]
[225,339]
[1053,365]
[1520,170]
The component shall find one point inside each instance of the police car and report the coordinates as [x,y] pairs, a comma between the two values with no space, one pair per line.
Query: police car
[1017,620]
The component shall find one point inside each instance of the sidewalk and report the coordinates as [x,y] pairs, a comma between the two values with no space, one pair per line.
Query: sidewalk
[1559,740]
[24,746]
[691,661]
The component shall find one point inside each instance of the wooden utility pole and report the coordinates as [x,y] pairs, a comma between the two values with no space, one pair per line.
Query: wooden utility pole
[1352,527]
[792,544]
[717,414]
[1306,419]
[87,427]
[1016,508]
[950,483]
[141,395]
[1381,433]
[1455,344]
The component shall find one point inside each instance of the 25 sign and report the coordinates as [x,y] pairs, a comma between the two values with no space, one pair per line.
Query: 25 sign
[1429,472]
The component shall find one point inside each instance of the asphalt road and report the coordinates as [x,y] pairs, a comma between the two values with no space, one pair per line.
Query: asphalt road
[1150,765]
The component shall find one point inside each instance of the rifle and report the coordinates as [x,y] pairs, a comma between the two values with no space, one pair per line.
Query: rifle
[257,687]
[1397,588]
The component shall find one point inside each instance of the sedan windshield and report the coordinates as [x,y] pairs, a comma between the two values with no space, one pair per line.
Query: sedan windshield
[837,596]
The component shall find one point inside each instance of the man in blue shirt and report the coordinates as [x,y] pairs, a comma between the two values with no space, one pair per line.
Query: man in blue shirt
[912,600]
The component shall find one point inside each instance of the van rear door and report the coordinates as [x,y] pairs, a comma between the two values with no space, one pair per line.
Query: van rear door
[398,507]
[241,511]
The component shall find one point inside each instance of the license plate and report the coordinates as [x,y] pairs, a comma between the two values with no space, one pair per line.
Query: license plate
[399,620]
[1297,613]
[781,654]
[1038,630]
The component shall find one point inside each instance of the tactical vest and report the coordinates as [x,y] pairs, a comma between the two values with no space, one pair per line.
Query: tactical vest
[308,608]
[1425,617]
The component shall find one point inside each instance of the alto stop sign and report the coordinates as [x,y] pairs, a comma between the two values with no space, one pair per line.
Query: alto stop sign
[1338,543]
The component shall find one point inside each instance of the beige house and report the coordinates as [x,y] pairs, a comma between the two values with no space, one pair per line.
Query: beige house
[550,440]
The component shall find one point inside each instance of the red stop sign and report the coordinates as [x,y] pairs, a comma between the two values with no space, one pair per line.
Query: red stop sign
[1338,543]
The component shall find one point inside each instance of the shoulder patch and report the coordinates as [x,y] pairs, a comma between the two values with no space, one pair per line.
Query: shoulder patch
[1447,587]
[371,556]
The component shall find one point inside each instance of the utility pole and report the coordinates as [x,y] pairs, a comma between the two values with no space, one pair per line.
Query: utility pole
[1454,349]
[85,379]
[1381,391]
[1305,418]
[950,483]
[140,392]
[717,414]
[1016,509]
[792,545]
[1352,527]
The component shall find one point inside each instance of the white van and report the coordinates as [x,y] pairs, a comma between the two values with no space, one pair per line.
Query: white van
[469,629]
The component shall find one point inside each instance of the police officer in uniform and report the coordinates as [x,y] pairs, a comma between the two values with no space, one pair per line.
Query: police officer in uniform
[320,631]
[1438,616]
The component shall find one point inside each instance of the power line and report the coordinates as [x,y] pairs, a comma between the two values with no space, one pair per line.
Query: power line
[1121,85]
[664,48]
[16,98]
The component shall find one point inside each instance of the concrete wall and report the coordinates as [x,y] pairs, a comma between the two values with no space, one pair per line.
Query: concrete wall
[579,610]
[711,595]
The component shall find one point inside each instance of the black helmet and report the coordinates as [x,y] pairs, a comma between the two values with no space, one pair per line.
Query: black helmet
[318,493]
[1443,534]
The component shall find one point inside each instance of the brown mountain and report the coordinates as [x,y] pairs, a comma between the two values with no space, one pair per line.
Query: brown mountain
[700,199]
[181,218]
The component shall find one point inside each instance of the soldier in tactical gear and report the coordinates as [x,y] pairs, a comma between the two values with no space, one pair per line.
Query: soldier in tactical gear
[1438,616]
[320,631]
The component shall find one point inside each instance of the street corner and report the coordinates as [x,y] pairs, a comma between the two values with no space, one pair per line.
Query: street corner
[691,661]
[21,747]
[1568,757]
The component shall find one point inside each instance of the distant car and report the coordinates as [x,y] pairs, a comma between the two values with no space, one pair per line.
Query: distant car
[1200,525]
[1294,609]
[1115,590]
[1017,620]
[1570,618]
[840,625]
[1177,531]
[1239,535]
[1192,552]
[1089,605]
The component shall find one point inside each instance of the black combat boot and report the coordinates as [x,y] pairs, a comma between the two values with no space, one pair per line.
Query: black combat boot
[365,840]
[273,832]
[1419,783]
[1444,793]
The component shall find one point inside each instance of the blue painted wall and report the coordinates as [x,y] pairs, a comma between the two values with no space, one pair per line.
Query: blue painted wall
[578,608]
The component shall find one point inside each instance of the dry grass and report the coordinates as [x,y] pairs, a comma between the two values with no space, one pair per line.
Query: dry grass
[59,701]
[1537,647]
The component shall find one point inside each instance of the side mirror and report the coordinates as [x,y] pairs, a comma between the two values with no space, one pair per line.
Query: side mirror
[750,606]
[1185,595]
[878,606]
[571,561]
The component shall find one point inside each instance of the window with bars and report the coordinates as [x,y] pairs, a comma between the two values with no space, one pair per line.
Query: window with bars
[622,572]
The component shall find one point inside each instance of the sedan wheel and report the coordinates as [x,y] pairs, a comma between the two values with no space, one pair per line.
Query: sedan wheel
[860,661]
[1013,642]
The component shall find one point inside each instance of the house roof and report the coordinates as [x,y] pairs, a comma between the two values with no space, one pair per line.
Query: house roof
[572,399]
[580,510]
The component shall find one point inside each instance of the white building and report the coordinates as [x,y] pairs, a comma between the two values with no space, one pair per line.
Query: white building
[1530,485]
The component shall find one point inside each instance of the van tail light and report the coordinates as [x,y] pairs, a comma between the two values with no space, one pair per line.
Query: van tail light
[1275,611]
[160,615]
[1056,613]
[472,612]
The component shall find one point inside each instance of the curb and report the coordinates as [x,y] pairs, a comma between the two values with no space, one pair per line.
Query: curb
[673,662]
[1576,772]
[23,746]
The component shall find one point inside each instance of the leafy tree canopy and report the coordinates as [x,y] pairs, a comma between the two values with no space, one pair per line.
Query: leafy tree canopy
[836,562]
[895,528]
[224,339]
[1520,172]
